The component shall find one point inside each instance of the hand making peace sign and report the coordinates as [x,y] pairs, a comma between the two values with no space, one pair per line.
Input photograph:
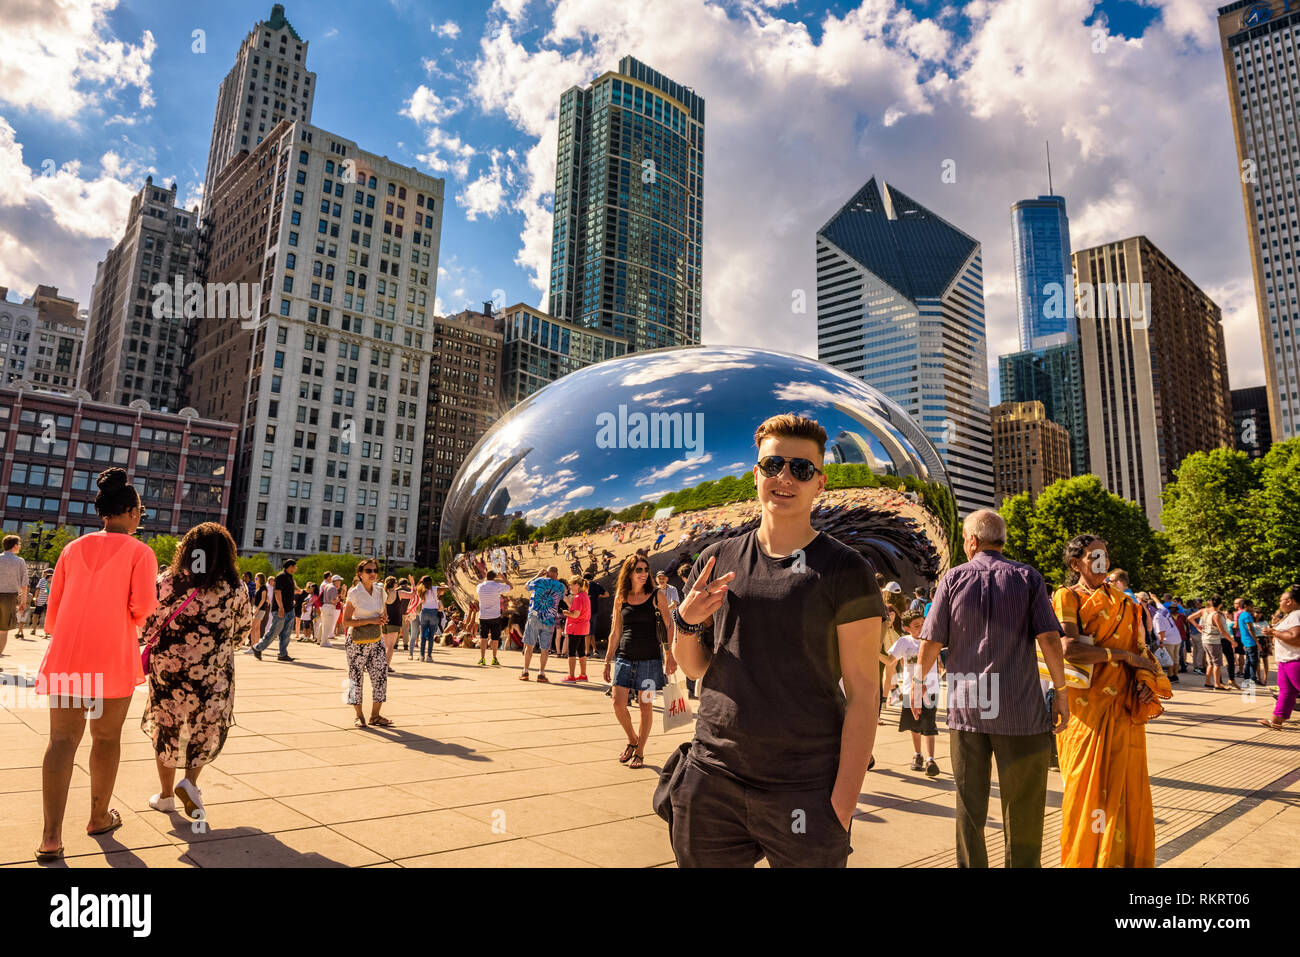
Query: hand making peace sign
[705,597]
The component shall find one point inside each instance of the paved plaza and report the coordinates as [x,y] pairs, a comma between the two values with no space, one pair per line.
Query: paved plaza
[485,770]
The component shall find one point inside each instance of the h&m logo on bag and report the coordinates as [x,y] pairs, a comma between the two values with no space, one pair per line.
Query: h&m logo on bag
[676,706]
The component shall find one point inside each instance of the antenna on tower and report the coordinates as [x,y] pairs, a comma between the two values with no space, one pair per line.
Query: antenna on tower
[1048,145]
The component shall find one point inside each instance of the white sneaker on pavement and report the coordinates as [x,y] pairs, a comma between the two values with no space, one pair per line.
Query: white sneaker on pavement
[159,803]
[190,796]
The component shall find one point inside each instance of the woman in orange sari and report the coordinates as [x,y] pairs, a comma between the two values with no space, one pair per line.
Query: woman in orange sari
[1107,819]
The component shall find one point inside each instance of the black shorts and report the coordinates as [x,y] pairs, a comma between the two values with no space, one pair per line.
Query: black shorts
[578,646]
[924,725]
[490,629]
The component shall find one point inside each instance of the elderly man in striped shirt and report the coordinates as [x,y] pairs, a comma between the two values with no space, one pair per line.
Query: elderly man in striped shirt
[989,613]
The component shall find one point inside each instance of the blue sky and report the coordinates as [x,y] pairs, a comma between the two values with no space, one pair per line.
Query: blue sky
[805,101]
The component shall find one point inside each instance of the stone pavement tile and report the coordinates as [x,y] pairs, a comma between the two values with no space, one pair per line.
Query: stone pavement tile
[1233,832]
[504,854]
[895,836]
[250,744]
[509,785]
[1271,844]
[312,740]
[18,841]
[413,835]
[633,843]
[138,780]
[165,856]
[415,768]
[363,804]
[266,761]
[309,847]
[29,757]
[29,779]
[532,738]
[543,814]
[628,799]
[271,722]
[20,735]
[222,821]
[306,781]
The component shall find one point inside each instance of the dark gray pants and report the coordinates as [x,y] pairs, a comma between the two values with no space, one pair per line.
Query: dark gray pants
[1022,783]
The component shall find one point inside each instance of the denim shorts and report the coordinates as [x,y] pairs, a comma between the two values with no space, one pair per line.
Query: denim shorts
[639,675]
[535,633]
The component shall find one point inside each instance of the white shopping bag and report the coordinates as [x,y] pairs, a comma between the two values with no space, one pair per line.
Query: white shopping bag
[677,707]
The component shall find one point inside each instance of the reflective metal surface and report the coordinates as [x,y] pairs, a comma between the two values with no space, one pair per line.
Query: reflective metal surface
[624,433]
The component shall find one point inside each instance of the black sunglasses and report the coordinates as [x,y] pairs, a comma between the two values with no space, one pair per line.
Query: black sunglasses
[370,571]
[801,469]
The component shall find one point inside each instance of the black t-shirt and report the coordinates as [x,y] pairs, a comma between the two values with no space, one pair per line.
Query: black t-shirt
[771,711]
[286,586]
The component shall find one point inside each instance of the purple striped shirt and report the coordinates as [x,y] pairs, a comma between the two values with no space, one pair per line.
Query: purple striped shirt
[988,614]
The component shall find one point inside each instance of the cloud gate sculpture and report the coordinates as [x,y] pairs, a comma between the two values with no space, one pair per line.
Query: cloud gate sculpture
[666,439]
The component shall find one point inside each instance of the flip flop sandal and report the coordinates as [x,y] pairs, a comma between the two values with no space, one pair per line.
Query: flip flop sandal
[381,722]
[1270,725]
[637,762]
[47,857]
[627,754]
[116,820]
[359,723]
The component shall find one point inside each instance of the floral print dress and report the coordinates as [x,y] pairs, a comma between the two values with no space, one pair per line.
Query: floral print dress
[192,670]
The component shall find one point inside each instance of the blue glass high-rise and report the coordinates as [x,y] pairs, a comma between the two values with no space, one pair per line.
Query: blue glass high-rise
[1040,248]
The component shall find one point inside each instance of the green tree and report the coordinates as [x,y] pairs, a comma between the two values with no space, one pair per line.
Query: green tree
[255,564]
[55,544]
[1273,526]
[312,568]
[1207,519]
[164,548]
[1038,531]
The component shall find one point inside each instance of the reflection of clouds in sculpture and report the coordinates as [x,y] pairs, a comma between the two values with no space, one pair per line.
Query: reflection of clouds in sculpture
[571,457]
[681,364]
[579,491]
[809,392]
[659,399]
[610,478]
[672,468]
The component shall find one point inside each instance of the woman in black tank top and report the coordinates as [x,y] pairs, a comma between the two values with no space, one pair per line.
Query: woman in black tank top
[638,666]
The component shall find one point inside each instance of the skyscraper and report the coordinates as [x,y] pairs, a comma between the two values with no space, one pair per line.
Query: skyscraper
[1040,247]
[1054,377]
[540,349]
[1250,421]
[269,82]
[328,381]
[629,208]
[131,353]
[1260,40]
[900,304]
[1030,451]
[1155,378]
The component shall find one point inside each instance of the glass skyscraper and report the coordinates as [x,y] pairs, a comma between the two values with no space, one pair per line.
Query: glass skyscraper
[1040,247]
[1048,367]
[629,208]
[900,305]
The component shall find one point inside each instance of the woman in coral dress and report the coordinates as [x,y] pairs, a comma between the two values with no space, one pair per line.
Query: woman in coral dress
[1107,818]
[103,590]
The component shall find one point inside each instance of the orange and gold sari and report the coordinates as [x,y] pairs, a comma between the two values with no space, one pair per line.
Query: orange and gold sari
[1107,819]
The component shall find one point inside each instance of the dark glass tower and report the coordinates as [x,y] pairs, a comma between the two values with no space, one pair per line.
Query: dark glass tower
[900,305]
[1040,247]
[629,208]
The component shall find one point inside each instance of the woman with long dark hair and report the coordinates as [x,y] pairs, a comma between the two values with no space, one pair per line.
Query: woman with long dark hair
[103,591]
[260,607]
[203,615]
[637,666]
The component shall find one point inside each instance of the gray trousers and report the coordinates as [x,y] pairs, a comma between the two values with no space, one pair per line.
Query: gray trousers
[1022,783]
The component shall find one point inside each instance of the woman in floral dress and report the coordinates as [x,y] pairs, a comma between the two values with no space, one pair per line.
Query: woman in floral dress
[192,664]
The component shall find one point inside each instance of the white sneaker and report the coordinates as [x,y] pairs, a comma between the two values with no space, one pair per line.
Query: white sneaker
[190,796]
[165,804]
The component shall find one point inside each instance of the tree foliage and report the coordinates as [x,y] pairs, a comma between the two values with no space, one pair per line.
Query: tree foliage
[164,548]
[1233,523]
[1037,531]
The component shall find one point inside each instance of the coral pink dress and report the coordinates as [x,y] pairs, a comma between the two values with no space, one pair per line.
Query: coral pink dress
[103,591]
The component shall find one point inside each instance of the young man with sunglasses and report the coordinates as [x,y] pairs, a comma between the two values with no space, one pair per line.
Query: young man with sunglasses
[780,753]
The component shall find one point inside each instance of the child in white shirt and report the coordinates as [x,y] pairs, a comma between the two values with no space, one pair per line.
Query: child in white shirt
[908,650]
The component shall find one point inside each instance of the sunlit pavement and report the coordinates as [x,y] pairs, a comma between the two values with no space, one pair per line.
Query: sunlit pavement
[482,769]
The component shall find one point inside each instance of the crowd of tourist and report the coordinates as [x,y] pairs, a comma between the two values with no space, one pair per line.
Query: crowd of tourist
[776,733]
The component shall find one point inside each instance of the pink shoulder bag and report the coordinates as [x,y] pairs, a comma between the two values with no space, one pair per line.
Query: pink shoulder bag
[149,646]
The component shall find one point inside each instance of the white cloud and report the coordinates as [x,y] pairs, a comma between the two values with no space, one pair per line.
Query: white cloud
[486,195]
[449,28]
[425,106]
[566,459]
[610,478]
[1147,151]
[579,492]
[672,468]
[448,153]
[60,58]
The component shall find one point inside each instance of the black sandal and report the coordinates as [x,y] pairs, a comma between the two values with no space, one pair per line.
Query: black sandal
[627,754]
[380,721]
[638,761]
